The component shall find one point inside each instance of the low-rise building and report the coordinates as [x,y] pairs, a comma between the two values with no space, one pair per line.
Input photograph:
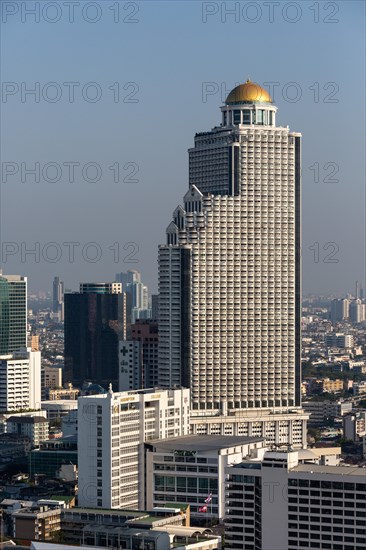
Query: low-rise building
[323,411]
[192,469]
[51,455]
[40,523]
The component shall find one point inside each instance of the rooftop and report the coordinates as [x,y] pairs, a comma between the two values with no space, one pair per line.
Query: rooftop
[333,470]
[202,442]
[27,419]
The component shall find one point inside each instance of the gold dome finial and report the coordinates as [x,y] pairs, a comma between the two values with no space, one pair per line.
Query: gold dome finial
[248,93]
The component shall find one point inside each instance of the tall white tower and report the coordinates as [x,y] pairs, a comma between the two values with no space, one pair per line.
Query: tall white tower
[229,273]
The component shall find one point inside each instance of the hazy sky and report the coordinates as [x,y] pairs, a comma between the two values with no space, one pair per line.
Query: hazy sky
[128,92]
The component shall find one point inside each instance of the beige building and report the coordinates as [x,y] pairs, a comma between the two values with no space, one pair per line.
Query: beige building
[52,377]
[39,524]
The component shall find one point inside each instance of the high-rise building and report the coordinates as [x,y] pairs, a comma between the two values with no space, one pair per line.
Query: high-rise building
[95,321]
[229,273]
[155,306]
[137,296]
[339,310]
[58,298]
[146,333]
[132,276]
[356,311]
[130,365]
[112,428]
[13,313]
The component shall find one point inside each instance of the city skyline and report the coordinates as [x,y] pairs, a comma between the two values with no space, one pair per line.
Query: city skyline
[331,90]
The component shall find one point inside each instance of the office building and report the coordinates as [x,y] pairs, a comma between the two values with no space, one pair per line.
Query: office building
[95,321]
[20,380]
[52,455]
[229,273]
[192,469]
[58,292]
[146,333]
[112,429]
[13,313]
[285,500]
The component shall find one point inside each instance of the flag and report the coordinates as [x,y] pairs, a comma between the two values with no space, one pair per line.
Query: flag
[208,499]
[202,509]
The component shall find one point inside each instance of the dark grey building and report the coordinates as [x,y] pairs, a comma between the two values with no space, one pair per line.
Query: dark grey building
[94,323]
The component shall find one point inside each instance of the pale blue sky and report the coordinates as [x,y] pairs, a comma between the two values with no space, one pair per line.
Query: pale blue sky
[169,53]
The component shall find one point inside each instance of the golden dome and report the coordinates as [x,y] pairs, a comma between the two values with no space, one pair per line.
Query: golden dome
[248,92]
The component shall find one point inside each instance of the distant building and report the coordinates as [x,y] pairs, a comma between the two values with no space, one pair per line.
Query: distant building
[324,411]
[112,429]
[354,425]
[95,321]
[51,455]
[356,311]
[339,310]
[58,298]
[13,313]
[339,340]
[63,393]
[146,333]
[51,379]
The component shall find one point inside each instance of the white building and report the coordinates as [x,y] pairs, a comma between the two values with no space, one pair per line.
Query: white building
[354,426]
[191,469]
[229,273]
[130,365]
[112,429]
[20,380]
[285,501]
[277,428]
[356,311]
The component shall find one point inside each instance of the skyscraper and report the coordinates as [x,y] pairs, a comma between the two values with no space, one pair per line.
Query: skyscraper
[229,273]
[13,313]
[58,298]
[94,323]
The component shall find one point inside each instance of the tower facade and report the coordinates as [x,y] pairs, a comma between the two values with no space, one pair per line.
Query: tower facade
[95,321]
[13,313]
[229,273]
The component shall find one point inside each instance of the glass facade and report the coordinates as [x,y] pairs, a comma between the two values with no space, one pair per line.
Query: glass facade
[13,314]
